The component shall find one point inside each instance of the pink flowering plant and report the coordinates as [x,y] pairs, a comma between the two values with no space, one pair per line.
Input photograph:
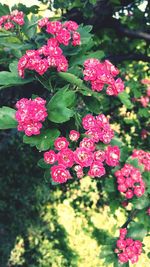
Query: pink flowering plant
[67,121]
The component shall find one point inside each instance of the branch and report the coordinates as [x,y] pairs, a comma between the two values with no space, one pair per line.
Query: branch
[134,34]
[132,56]
[130,218]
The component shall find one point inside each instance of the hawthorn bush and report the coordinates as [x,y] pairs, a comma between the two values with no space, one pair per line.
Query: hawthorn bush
[70,117]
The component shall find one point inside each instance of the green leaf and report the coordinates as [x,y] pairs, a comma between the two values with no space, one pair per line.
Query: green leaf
[7,118]
[116,142]
[13,67]
[43,141]
[4,10]
[71,78]
[93,104]
[29,30]
[110,185]
[124,98]
[137,231]
[144,112]
[84,31]
[142,202]
[124,153]
[8,79]
[135,163]
[59,106]
[81,58]
[42,164]
[118,264]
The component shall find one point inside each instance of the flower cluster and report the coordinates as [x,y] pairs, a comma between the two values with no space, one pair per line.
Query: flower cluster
[143,158]
[9,21]
[130,181]
[86,155]
[100,74]
[63,32]
[30,114]
[128,249]
[50,55]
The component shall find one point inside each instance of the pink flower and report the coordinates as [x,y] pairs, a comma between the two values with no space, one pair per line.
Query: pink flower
[129,194]
[8,26]
[50,157]
[60,174]
[61,143]
[96,169]
[83,157]
[88,144]
[99,155]
[30,114]
[93,134]
[122,188]
[123,233]
[88,122]
[65,157]
[100,74]
[144,101]
[76,38]
[139,191]
[74,135]
[111,68]
[129,249]
[71,25]
[42,22]
[53,27]
[63,37]
[112,155]
[121,243]
[123,257]
[79,171]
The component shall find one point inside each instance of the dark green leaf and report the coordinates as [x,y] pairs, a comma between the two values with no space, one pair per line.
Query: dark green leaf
[43,141]
[116,142]
[137,231]
[93,104]
[59,106]
[141,202]
[124,98]
[42,164]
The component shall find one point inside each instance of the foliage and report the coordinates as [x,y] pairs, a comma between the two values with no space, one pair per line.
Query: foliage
[53,224]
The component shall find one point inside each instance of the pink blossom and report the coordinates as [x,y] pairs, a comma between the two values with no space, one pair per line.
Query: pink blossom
[71,25]
[63,37]
[99,155]
[83,157]
[30,114]
[50,157]
[53,27]
[66,157]
[42,22]
[88,122]
[87,143]
[61,143]
[74,135]
[60,174]
[112,154]
[76,38]
[96,169]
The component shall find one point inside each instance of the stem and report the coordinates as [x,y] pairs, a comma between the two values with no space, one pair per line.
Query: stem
[132,215]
